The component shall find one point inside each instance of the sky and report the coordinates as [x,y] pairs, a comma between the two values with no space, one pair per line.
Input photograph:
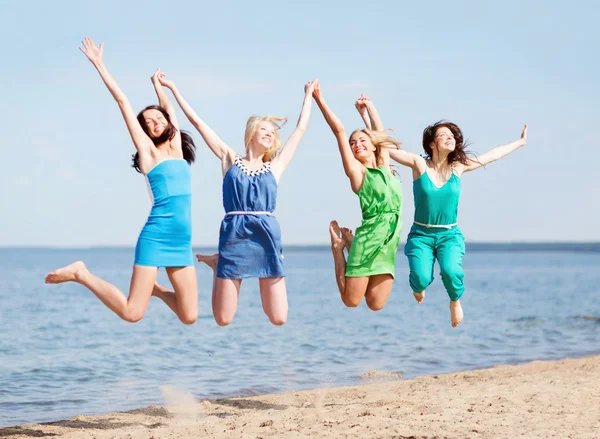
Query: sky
[489,67]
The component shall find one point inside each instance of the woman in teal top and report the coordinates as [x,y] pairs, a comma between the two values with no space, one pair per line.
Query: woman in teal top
[436,190]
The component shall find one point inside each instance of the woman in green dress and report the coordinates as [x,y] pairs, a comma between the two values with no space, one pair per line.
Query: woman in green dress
[369,270]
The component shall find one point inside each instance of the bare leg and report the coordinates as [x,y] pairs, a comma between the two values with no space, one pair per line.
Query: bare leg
[184,300]
[337,248]
[225,300]
[130,308]
[211,261]
[225,292]
[352,289]
[185,283]
[274,299]
[456,313]
[378,291]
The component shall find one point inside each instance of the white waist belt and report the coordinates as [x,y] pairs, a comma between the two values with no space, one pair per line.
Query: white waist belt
[436,226]
[248,212]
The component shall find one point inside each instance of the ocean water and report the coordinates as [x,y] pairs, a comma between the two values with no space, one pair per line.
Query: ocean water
[63,353]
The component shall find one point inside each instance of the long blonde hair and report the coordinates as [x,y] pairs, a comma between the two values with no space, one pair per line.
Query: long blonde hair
[380,139]
[252,126]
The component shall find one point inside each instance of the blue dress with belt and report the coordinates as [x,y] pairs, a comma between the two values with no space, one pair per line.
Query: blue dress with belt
[250,237]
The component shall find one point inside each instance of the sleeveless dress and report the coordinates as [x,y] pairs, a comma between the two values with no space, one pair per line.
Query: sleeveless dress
[250,237]
[435,235]
[166,239]
[373,250]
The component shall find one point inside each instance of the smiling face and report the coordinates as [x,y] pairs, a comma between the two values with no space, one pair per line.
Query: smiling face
[264,136]
[444,140]
[362,146]
[156,122]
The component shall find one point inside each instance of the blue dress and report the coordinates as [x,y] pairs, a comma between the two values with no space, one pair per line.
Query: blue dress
[166,239]
[249,243]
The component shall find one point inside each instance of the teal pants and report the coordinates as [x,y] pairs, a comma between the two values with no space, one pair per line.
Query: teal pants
[423,246]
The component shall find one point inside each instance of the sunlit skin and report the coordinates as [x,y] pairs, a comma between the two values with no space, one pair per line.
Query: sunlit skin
[183,299]
[444,141]
[156,122]
[363,149]
[264,136]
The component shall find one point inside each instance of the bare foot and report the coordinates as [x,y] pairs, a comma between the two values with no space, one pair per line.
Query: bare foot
[347,236]
[70,273]
[210,260]
[456,313]
[419,296]
[337,243]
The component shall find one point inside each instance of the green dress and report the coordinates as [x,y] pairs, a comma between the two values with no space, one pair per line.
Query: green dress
[376,241]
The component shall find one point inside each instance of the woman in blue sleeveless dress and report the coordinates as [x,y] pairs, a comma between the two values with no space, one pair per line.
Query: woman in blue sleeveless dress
[436,189]
[250,238]
[164,155]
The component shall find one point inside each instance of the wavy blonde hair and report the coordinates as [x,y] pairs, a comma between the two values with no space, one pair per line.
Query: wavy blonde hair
[252,126]
[380,139]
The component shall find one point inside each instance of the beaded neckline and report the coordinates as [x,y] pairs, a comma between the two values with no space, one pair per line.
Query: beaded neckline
[266,167]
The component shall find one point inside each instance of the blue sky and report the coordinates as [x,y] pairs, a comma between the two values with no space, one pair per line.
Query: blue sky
[67,179]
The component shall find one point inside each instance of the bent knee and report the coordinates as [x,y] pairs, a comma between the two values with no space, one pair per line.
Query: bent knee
[133,316]
[188,319]
[278,320]
[351,301]
[419,282]
[452,274]
[375,305]
[223,320]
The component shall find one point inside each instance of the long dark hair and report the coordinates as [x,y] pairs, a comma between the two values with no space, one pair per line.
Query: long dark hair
[459,154]
[187,142]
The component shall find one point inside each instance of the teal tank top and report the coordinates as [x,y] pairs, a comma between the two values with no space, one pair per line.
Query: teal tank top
[433,205]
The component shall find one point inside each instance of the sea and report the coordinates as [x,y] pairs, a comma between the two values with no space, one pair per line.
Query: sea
[63,353]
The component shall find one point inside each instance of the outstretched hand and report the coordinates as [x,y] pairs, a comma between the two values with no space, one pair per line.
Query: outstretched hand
[524,135]
[93,53]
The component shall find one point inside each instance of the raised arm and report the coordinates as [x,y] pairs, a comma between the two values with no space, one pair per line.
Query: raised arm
[353,168]
[214,142]
[283,159]
[163,99]
[496,153]
[142,142]
[369,113]
[361,107]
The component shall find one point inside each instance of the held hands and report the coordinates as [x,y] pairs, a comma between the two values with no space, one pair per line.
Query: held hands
[316,92]
[523,140]
[159,79]
[93,53]
[362,104]
[310,87]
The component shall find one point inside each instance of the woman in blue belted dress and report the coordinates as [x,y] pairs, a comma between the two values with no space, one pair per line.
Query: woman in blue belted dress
[250,238]
[164,155]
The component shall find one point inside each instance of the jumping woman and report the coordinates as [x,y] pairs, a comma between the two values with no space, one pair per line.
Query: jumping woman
[369,270]
[250,237]
[164,155]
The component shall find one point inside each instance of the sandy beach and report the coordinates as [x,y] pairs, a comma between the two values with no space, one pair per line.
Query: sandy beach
[541,399]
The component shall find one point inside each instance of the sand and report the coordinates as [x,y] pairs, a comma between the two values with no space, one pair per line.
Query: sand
[542,399]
